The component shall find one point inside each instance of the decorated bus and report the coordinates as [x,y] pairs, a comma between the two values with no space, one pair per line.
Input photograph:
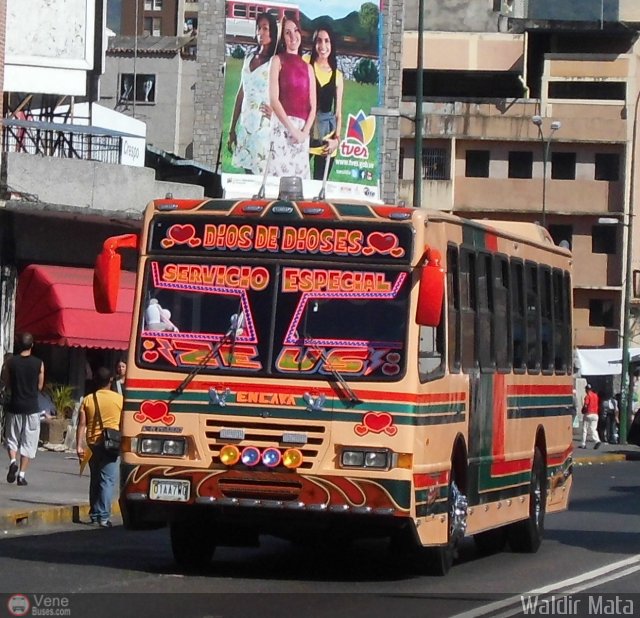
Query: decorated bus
[304,368]
[241,15]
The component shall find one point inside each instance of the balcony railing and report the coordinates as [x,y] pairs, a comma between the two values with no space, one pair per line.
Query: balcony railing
[66,141]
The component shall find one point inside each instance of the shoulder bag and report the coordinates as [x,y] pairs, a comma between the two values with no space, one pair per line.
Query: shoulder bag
[111,438]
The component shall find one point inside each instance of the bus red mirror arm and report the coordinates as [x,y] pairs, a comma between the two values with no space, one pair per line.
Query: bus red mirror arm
[431,292]
[106,274]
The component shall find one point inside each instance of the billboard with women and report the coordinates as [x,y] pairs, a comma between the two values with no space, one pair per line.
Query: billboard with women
[300,81]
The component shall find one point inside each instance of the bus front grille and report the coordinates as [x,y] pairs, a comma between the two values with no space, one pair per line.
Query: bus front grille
[270,433]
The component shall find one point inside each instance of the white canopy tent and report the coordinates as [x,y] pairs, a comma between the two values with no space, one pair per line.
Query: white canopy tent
[602,361]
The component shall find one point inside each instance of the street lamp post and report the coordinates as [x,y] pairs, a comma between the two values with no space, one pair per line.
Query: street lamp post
[417,163]
[626,396]
[546,148]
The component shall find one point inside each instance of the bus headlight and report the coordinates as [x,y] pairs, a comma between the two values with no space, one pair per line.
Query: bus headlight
[150,446]
[361,458]
[170,447]
[174,447]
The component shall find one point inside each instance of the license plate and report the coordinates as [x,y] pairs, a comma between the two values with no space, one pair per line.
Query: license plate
[169,490]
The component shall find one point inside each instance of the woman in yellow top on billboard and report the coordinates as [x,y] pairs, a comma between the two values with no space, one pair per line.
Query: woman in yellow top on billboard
[329,89]
[250,129]
[292,87]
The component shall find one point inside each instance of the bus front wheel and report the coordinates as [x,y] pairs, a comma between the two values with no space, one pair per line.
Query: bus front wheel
[192,544]
[439,560]
[525,536]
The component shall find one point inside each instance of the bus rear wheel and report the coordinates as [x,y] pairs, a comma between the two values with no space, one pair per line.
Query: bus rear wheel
[525,536]
[193,544]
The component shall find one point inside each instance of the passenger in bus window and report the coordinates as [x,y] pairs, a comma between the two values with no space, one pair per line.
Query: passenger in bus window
[329,88]
[250,129]
[292,87]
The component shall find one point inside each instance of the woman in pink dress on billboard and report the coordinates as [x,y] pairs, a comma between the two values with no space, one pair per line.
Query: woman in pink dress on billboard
[292,87]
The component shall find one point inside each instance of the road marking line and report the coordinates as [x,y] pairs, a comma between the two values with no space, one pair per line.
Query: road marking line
[586,580]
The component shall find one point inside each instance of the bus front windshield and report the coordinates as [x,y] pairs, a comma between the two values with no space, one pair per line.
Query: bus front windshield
[274,320]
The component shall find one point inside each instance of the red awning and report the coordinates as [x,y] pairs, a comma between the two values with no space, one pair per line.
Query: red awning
[55,305]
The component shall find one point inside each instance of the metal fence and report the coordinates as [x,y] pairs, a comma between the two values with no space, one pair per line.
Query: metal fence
[63,141]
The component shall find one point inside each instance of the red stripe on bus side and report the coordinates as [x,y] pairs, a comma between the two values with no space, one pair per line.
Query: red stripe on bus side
[499,414]
[421,481]
[540,389]
[152,384]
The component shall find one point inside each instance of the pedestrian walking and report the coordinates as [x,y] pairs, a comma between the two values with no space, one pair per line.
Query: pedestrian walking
[23,375]
[117,385]
[98,411]
[590,409]
[609,419]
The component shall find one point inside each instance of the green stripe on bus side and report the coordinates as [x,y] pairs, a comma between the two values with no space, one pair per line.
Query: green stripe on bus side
[503,494]
[473,236]
[488,482]
[400,491]
[536,401]
[403,414]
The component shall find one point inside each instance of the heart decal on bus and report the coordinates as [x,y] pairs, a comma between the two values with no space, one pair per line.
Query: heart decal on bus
[376,422]
[384,244]
[156,412]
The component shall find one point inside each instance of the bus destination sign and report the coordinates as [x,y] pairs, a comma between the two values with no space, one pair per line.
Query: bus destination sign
[375,243]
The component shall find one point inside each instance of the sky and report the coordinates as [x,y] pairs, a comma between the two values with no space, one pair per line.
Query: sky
[332,8]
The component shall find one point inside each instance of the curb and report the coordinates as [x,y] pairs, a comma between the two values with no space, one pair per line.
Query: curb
[601,459]
[50,516]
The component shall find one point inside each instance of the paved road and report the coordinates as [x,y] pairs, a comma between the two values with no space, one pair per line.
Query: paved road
[599,530]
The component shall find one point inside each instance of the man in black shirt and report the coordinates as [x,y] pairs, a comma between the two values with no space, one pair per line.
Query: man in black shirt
[23,373]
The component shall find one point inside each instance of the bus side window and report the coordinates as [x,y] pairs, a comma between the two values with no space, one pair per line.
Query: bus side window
[559,322]
[431,352]
[484,314]
[568,328]
[453,309]
[517,316]
[501,301]
[532,288]
[546,320]
[468,307]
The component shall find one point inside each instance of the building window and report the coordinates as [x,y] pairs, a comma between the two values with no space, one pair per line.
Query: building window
[520,164]
[434,164]
[145,90]
[563,165]
[152,26]
[153,5]
[607,166]
[601,313]
[477,164]
[562,235]
[401,164]
[603,239]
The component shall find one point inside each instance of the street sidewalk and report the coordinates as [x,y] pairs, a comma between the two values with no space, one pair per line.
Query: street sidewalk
[57,494]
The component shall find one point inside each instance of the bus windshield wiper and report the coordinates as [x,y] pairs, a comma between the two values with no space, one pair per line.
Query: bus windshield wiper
[235,329]
[353,398]
[339,378]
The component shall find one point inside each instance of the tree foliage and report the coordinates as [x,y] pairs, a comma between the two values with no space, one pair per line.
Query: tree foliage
[369,16]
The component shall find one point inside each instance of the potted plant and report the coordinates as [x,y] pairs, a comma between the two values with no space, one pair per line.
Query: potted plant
[61,396]
[63,404]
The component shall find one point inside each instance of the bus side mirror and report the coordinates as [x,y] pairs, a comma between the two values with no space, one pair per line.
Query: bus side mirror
[106,274]
[431,292]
